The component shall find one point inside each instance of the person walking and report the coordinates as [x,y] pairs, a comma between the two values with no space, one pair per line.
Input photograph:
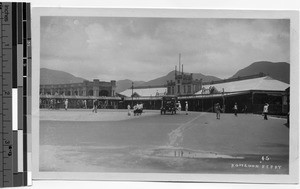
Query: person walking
[218,110]
[66,104]
[235,109]
[186,108]
[95,106]
[265,111]
[128,109]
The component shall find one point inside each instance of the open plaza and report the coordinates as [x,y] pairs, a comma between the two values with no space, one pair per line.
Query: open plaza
[111,141]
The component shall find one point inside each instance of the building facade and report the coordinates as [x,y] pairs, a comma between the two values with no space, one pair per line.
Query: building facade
[184,84]
[95,88]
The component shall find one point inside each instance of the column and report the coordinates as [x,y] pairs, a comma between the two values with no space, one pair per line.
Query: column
[84,91]
[96,91]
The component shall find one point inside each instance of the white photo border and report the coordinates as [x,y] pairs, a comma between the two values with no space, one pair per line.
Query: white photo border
[292,177]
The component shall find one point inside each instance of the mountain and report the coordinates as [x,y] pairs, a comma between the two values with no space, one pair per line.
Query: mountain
[48,76]
[279,70]
[122,85]
[171,76]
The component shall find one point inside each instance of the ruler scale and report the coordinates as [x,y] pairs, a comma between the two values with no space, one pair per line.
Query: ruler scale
[15,48]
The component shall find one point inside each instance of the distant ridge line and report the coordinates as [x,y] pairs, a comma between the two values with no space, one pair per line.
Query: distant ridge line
[261,74]
[147,87]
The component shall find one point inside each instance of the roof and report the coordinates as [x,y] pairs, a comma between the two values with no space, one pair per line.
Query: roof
[159,91]
[212,95]
[262,83]
[80,97]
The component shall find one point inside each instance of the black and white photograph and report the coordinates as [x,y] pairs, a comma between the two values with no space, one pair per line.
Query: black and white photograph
[200,95]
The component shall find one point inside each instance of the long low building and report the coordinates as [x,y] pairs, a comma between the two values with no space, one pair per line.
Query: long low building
[250,93]
[145,92]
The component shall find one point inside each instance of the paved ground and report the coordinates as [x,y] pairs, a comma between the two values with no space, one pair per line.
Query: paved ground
[79,140]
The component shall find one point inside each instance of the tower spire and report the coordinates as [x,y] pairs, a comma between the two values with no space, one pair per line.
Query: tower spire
[179,62]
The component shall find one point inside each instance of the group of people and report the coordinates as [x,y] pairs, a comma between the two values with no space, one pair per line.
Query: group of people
[95,105]
[218,110]
[137,109]
[178,107]
[66,104]
[62,103]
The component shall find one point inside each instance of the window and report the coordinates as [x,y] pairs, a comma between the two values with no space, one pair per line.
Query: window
[189,89]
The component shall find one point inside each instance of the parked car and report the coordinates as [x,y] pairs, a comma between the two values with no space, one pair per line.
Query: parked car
[168,105]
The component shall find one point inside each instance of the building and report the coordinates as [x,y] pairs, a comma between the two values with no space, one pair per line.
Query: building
[149,96]
[250,93]
[53,96]
[184,84]
[94,88]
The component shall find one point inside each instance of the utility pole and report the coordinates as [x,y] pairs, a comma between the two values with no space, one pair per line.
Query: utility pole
[223,97]
[132,95]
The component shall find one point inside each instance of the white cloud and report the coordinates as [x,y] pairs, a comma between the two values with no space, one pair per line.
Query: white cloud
[146,48]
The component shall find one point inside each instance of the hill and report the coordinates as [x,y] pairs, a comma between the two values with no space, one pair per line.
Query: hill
[279,70]
[122,85]
[171,76]
[48,76]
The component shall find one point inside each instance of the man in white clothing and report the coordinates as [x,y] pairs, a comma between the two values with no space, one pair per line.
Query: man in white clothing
[186,108]
[265,111]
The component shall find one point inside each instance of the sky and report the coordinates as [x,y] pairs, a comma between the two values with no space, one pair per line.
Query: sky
[141,49]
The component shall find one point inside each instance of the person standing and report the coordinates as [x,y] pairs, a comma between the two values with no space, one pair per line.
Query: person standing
[128,109]
[235,109]
[179,107]
[265,111]
[186,108]
[66,104]
[50,104]
[218,110]
[135,110]
[85,104]
[95,106]
[245,109]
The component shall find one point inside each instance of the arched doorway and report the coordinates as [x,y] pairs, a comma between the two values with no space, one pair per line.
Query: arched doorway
[103,93]
[90,93]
